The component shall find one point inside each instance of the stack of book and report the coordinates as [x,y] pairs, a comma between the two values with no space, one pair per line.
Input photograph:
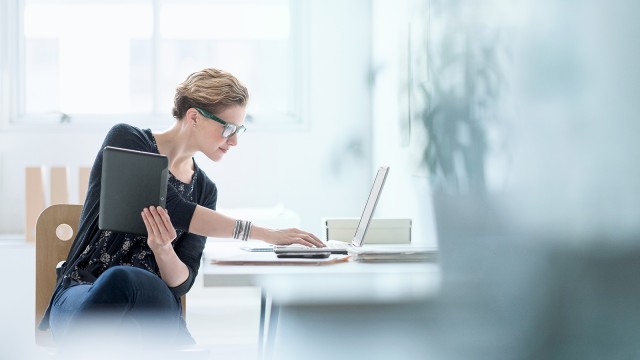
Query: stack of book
[393,254]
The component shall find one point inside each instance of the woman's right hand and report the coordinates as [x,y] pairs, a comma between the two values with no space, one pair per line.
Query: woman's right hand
[291,236]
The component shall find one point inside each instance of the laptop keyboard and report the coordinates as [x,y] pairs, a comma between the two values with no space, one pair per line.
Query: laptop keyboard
[337,244]
[331,244]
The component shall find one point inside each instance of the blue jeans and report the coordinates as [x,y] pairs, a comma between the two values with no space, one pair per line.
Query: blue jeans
[125,304]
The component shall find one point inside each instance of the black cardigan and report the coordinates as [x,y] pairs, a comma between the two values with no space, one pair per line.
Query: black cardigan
[188,246]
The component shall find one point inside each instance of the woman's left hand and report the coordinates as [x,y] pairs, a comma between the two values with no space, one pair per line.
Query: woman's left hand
[160,230]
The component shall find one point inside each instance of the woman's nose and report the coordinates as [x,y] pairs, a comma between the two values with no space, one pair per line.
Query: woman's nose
[233,140]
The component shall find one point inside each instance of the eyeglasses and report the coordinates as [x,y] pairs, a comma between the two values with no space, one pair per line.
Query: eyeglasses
[229,129]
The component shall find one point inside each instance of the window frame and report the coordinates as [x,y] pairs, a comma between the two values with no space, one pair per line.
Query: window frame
[12,87]
[8,64]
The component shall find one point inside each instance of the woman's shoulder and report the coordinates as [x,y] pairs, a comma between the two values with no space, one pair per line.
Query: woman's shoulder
[203,179]
[123,128]
[207,189]
[130,137]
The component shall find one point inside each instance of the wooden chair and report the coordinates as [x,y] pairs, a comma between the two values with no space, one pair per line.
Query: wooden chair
[35,200]
[56,229]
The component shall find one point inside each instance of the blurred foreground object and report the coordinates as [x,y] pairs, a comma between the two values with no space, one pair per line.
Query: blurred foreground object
[539,254]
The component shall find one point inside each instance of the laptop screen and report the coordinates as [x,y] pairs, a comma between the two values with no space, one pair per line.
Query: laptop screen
[370,206]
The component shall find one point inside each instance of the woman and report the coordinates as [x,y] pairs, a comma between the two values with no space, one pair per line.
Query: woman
[128,286]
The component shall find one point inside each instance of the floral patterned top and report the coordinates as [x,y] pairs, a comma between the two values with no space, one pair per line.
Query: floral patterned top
[112,248]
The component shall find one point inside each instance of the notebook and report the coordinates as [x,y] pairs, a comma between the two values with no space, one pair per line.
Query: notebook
[394,253]
[131,181]
[341,247]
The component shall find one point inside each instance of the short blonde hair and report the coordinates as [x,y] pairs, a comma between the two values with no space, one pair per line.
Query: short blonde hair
[210,89]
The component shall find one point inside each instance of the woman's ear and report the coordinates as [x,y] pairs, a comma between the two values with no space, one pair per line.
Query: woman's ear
[192,115]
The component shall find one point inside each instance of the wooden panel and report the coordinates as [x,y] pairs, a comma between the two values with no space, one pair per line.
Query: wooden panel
[49,251]
[34,200]
[83,183]
[59,188]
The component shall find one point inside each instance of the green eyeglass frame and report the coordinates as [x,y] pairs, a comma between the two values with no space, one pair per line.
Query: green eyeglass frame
[229,129]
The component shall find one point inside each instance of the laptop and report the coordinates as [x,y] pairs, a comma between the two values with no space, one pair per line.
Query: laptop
[341,247]
[131,181]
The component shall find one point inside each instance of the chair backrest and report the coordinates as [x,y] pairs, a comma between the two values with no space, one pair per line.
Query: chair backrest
[35,184]
[56,228]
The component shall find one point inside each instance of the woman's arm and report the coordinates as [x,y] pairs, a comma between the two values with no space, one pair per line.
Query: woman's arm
[160,234]
[208,222]
[205,222]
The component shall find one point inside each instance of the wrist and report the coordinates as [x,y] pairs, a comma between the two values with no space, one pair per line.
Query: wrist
[161,250]
[259,233]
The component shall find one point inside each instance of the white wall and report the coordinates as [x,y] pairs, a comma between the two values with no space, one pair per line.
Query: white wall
[407,193]
[315,172]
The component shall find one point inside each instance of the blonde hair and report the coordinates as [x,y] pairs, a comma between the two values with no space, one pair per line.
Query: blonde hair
[210,89]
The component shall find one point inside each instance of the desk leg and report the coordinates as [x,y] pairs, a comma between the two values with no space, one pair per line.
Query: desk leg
[263,314]
[274,313]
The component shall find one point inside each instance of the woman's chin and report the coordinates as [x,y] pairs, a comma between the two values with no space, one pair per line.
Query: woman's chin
[216,156]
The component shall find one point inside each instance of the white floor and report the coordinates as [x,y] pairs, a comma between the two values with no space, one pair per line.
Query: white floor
[225,321]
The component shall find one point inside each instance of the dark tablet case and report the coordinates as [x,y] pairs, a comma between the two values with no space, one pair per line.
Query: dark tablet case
[131,181]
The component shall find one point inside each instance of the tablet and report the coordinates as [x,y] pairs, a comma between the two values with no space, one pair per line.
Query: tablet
[131,181]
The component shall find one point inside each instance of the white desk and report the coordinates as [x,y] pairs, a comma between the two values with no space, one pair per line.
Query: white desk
[300,293]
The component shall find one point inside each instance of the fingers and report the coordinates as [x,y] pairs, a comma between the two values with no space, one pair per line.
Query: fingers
[312,239]
[147,223]
[158,223]
[151,222]
[164,215]
[302,241]
[307,239]
[166,220]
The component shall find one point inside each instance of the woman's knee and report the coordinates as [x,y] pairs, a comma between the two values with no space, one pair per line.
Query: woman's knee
[126,275]
[137,286]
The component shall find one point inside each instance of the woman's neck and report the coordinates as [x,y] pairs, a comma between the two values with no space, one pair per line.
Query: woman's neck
[174,144]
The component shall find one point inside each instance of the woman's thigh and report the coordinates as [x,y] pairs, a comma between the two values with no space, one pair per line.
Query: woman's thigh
[123,297]
[126,288]
[64,306]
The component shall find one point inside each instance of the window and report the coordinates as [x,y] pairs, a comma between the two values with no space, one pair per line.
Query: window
[83,61]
